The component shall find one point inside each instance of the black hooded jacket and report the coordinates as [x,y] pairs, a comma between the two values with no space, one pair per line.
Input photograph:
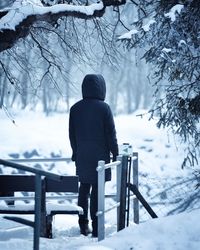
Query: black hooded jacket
[92,130]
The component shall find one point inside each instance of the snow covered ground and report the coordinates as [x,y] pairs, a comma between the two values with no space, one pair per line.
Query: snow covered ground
[160,157]
[178,232]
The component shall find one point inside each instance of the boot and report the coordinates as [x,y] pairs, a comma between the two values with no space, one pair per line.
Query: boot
[84,227]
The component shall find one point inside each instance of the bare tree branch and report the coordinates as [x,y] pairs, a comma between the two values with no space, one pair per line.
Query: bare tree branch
[9,35]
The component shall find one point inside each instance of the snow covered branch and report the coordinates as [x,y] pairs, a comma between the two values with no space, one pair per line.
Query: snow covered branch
[15,21]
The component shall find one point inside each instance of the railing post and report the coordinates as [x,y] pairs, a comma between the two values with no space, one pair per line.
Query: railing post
[38,194]
[122,208]
[101,202]
[128,189]
[135,182]
[43,220]
[118,184]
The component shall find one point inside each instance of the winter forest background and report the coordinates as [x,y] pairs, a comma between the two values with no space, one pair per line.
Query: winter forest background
[148,51]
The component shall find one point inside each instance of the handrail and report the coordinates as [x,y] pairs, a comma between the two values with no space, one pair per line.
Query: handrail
[30,169]
[55,159]
[106,166]
[56,197]
[108,209]
[114,206]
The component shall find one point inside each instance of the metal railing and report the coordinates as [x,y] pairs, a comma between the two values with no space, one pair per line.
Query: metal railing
[55,159]
[38,194]
[122,196]
[101,194]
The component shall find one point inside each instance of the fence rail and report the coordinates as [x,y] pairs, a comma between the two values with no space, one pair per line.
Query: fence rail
[55,159]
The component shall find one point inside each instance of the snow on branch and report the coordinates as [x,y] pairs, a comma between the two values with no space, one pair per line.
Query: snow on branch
[16,20]
[173,12]
[21,11]
[128,35]
[146,28]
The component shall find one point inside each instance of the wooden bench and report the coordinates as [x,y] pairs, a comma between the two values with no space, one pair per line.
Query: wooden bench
[26,183]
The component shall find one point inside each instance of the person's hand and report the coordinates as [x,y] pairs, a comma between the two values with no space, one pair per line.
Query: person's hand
[114,158]
[73,157]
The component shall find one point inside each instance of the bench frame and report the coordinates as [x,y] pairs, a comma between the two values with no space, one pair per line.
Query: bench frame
[19,183]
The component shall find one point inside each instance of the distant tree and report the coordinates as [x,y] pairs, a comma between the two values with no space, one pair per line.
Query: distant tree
[167,31]
[41,44]
[44,43]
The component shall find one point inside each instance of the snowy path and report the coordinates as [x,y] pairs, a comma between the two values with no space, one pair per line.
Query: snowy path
[65,230]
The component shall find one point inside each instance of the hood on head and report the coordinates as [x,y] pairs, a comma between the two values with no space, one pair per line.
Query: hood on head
[94,87]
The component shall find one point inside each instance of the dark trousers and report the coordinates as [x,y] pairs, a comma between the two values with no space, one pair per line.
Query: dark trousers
[85,191]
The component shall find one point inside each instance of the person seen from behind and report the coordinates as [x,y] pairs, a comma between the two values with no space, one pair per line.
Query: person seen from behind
[92,137]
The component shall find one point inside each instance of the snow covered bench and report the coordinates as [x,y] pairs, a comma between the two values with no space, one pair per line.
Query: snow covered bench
[26,183]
